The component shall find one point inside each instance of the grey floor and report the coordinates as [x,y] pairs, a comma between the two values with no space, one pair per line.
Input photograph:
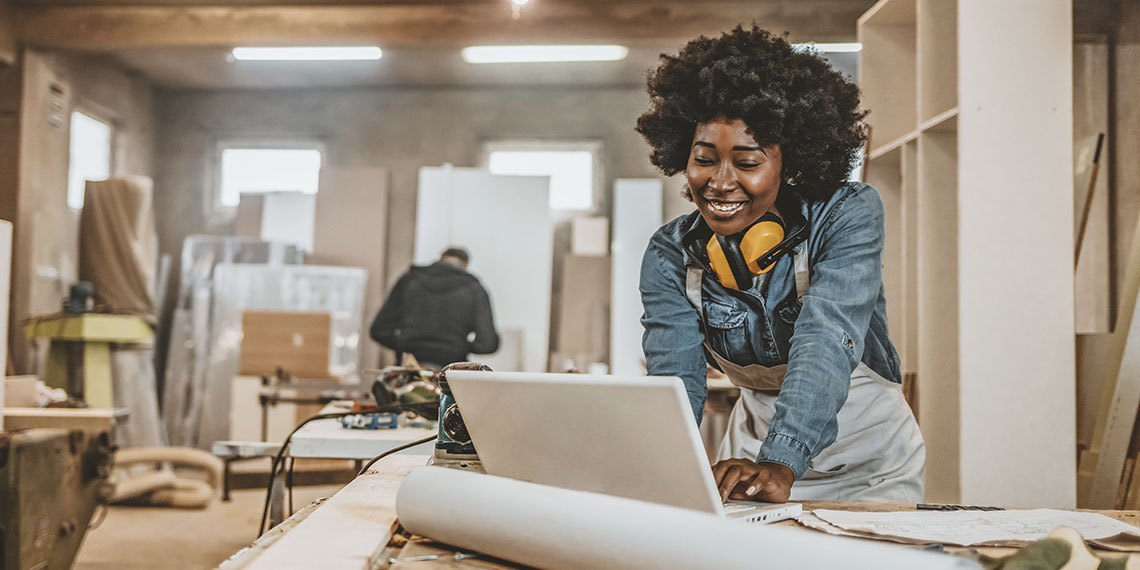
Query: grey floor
[140,538]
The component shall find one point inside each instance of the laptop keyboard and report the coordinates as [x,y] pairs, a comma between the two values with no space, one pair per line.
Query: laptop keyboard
[734,507]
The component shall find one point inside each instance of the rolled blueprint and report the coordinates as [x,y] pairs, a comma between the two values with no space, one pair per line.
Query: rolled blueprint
[551,528]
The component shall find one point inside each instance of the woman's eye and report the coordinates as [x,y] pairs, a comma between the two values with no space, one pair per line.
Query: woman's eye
[703,161]
[746,165]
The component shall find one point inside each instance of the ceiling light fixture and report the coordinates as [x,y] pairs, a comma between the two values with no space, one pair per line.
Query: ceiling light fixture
[307,53]
[829,48]
[543,54]
[516,8]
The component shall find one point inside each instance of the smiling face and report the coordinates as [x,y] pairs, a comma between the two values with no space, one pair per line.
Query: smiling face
[732,178]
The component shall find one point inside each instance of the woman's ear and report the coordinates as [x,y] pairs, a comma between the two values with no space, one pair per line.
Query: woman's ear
[687,192]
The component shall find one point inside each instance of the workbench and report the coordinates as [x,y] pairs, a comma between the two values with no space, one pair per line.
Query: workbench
[355,530]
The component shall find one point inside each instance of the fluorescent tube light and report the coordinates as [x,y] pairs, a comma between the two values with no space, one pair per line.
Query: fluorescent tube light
[543,54]
[829,48]
[302,53]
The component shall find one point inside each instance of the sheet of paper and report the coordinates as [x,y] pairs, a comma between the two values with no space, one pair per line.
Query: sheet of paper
[976,528]
[556,529]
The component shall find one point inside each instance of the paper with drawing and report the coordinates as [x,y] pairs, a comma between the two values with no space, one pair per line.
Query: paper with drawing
[974,528]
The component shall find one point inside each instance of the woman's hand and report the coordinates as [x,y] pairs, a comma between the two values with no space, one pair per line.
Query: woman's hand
[746,480]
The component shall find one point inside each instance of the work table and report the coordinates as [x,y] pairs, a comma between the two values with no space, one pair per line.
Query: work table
[355,529]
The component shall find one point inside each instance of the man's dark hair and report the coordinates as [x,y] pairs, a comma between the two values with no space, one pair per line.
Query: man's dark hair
[785,97]
[456,252]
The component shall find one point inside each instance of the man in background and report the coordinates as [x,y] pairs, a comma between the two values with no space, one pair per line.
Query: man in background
[439,313]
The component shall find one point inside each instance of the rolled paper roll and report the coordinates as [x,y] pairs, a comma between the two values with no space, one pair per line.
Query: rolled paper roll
[552,528]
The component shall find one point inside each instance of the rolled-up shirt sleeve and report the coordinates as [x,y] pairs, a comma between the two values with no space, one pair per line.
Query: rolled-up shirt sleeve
[827,343]
[673,340]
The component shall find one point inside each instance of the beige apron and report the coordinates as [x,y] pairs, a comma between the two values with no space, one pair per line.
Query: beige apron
[878,454]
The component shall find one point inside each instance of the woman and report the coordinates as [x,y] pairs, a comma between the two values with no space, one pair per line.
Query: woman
[776,278]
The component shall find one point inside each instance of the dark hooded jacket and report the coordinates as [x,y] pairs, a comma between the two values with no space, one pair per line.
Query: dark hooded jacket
[431,313]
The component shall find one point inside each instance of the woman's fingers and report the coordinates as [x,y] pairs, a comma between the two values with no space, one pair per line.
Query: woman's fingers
[719,469]
[761,481]
[731,478]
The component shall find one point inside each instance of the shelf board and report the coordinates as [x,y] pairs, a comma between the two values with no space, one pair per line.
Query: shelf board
[889,12]
[944,122]
[893,145]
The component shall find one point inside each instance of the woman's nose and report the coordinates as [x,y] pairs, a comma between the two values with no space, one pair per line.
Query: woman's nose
[723,179]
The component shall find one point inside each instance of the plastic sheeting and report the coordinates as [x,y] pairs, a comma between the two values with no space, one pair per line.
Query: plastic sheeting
[240,287]
[190,330]
[132,372]
[118,248]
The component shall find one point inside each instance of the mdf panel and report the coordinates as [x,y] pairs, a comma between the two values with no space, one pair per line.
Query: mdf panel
[1015,215]
[637,215]
[938,310]
[937,57]
[1090,118]
[908,353]
[885,174]
[888,31]
[5,282]
[504,222]
[351,228]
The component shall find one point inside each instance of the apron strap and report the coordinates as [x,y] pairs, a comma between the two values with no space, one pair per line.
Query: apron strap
[693,280]
[803,278]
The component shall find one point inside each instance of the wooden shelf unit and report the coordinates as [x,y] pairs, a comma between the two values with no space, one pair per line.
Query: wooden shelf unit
[943,169]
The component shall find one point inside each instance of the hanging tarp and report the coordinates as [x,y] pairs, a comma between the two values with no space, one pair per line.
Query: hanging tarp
[118,245]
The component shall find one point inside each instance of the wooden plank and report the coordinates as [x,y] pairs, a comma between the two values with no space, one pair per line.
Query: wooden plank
[89,419]
[820,4]
[350,529]
[1125,482]
[1132,498]
[1120,396]
[428,24]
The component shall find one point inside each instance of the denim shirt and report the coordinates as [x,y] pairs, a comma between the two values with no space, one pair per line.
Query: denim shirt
[840,321]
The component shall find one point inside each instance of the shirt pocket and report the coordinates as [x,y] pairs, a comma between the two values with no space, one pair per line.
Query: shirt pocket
[788,312]
[727,332]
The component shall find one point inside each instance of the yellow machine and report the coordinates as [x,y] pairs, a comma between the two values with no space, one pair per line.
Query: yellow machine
[79,360]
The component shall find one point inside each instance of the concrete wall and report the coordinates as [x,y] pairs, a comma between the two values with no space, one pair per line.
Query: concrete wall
[397,129]
[46,243]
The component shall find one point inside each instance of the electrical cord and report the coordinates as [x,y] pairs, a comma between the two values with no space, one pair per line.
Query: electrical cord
[289,483]
[279,462]
[396,449]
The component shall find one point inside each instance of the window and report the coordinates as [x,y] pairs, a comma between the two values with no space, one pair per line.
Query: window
[253,168]
[571,167]
[90,155]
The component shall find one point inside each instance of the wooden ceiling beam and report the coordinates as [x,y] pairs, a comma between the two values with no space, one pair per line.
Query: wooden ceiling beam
[830,4]
[103,28]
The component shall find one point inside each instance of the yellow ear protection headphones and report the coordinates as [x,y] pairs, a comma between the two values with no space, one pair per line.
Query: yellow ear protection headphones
[735,259]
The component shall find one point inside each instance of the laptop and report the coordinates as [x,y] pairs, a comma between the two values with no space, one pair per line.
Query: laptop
[632,437]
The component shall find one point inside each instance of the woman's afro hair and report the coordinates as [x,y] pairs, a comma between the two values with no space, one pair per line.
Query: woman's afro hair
[785,97]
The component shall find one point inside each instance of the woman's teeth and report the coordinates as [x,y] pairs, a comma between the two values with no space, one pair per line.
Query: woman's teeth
[727,208]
